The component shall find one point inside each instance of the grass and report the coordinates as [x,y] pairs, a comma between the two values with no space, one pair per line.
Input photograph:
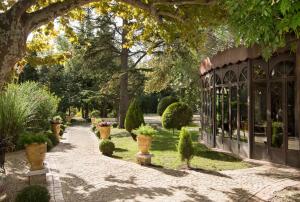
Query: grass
[164,149]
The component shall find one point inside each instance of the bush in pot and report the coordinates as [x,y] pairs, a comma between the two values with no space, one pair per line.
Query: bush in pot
[144,134]
[107,147]
[33,193]
[134,117]
[36,148]
[104,129]
[55,122]
[94,114]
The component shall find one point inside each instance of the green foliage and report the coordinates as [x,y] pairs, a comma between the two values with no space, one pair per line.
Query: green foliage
[24,105]
[95,114]
[185,146]
[177,115]
[277,134]
[28,138]
[145,130]
[134,116]
[34,193]
[49,144]
[52,137]
[57,119]
[272,20]
[164,103]
[15,113]
[107,147]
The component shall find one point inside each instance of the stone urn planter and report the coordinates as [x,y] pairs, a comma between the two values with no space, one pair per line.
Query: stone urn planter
[36,148]
[93,120]
[36,154]
[68,118]
[104,132]
[55,123]
[144,138]
[104,129]
[144,143]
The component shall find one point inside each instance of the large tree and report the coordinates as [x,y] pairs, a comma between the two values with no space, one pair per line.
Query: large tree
[21,17]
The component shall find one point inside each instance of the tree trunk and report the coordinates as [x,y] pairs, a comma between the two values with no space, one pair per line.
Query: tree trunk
[13,37]
[123,104]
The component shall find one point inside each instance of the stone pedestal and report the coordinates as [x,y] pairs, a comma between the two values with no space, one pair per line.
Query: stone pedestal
[143,159]
[37,177]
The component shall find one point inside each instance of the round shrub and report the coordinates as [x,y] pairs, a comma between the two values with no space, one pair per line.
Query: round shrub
[134,117]
[177,115]
[164,103]
[33,193]
[107,147]
[53,138]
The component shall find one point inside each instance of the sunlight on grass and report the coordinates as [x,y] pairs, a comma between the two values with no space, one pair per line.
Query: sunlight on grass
[164,149]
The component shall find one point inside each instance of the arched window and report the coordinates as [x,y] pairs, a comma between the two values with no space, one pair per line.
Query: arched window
[243,75]
[259,72]
[215,78]
[284,68]
[230,77]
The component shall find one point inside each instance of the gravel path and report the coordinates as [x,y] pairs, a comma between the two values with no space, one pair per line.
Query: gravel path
[86,175]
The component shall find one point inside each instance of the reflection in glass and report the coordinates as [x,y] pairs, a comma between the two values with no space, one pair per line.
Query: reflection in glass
[219,110]
[258,72]
[260,113]
[293,135]
[277,114]
[226,111]
[243,113]
[233,103]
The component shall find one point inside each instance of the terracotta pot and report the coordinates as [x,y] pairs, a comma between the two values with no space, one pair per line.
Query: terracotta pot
[144,143]
[93,121]
[104,132]
[56,129]
[36,154]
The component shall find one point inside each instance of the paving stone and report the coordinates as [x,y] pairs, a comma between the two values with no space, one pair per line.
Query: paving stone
[84,175]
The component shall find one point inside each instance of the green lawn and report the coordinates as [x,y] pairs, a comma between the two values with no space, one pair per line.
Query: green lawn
[164,149]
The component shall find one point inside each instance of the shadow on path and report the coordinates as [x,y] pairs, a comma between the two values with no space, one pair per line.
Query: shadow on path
[77,189]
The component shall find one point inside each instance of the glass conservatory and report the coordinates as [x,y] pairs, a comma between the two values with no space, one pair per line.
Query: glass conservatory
[250,106]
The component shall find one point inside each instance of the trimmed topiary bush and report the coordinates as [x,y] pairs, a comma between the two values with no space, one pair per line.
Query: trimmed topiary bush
[134,117]
[177,115]
[185,146]
[164,103]
[33,193]
[107,147]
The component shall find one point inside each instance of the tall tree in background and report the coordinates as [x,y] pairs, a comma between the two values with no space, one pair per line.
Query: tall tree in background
[18,18]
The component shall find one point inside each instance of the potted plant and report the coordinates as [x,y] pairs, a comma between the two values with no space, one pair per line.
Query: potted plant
[94,115]
[104,129]
[144,134]
[55,122]
[36,148]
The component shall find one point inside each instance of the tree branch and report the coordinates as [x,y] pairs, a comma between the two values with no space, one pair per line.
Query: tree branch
[20,7]
[181,3]
[45,15]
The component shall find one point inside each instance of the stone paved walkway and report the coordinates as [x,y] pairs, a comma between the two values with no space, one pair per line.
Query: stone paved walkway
[86,175]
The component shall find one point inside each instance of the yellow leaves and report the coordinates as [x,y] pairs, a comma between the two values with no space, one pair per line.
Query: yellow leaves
[40,40]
